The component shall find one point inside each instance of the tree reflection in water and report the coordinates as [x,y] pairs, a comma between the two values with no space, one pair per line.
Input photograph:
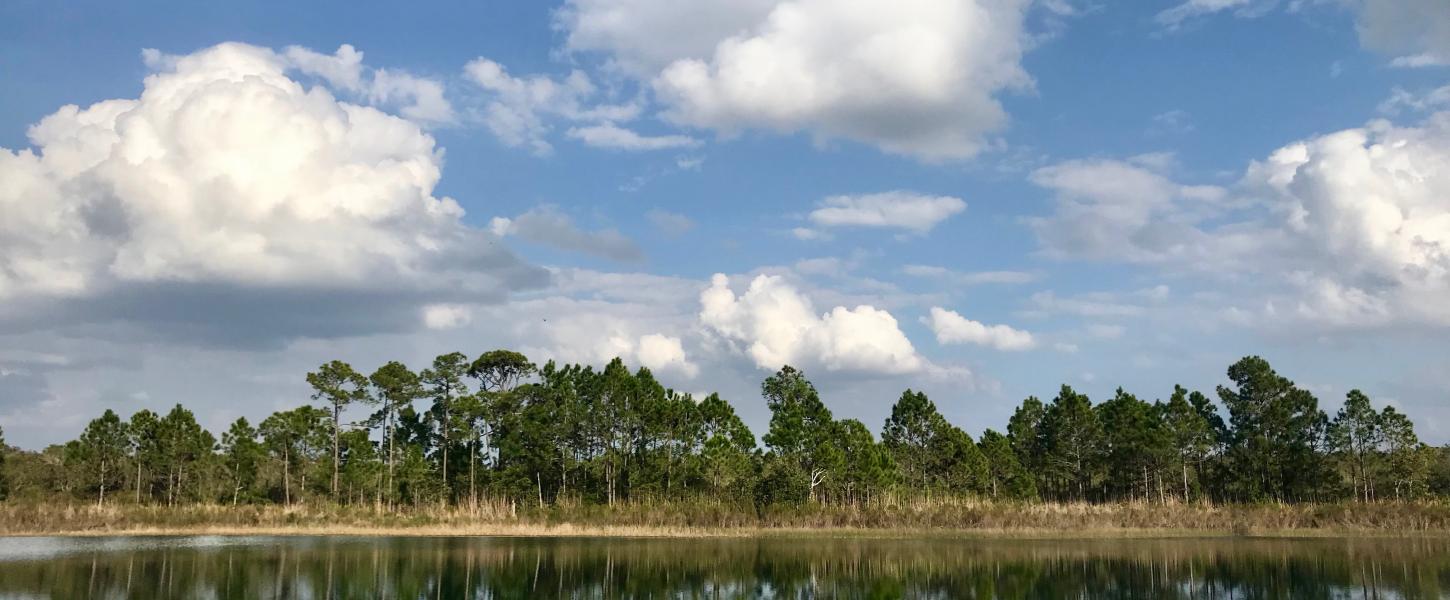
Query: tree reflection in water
[384,567]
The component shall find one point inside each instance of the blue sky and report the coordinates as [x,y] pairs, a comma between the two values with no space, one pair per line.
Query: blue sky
[983,199]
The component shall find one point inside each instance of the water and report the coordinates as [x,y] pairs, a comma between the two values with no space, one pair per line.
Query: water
[457,567]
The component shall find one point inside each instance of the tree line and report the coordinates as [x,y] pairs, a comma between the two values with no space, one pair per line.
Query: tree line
[499,428]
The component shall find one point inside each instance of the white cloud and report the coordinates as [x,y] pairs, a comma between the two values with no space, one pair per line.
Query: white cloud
[549,226]
[1365,209]
[520,110]
[418,98]
[918,78]
[446,316]
[1116,210]
[664,353]
[609,135]
[913,212]
[227,171]
[1173,18]
[1402,100]
[1347,229]
[952,328]
[775,325]
[644,36]
[343,69]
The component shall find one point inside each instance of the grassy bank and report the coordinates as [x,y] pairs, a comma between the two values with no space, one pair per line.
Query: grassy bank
[710,519]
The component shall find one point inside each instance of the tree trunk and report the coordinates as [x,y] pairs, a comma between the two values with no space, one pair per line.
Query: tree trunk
[101,501]
[287,476]
[446,427]
[1185,482]
[336,421]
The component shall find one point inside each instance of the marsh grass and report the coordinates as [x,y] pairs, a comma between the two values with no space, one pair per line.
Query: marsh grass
[711,517]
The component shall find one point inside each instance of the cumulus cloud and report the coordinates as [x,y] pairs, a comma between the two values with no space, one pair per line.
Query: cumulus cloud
[446,316]
[549,226]
[227,172]
[832,69]
[774,324]
[952,328]
[1365,209]
[644,36]
[915,213]
[230,206]
[915,77]
[1352,226]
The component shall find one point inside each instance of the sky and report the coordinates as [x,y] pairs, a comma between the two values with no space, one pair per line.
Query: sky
[980,199]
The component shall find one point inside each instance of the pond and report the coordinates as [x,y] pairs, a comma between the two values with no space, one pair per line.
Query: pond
[771,567]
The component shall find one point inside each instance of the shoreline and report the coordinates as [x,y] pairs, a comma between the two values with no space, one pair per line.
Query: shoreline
[941,520]
[568,530]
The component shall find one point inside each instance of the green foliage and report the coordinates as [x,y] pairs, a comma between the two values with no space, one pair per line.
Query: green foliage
[242,455]
[1071,437]
[572,437]
[1276,429]
[99,453]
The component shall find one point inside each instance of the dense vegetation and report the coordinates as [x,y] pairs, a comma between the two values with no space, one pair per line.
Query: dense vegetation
[497,429]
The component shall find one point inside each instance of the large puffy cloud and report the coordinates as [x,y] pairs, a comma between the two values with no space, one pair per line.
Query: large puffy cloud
[951,327]
[1369,211]
[226,185]
[644,36]
[1347,229]
[774,324]
[918,77]
[910,211]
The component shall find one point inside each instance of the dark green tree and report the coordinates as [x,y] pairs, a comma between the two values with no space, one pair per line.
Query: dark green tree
[100,451]
[800,426]
[444,384]
[186,450]
[396,387]
[908,434]
[1190,436]
[1135,446]
[1005,475]
[143,434]
[1355,437]
[726,459]
[242,454]
[338,385]
[1276,430]
[1071,440]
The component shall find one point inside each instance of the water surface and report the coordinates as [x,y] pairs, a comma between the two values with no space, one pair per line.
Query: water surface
[459,567]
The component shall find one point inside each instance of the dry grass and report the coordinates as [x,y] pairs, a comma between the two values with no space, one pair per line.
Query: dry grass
[954,517]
